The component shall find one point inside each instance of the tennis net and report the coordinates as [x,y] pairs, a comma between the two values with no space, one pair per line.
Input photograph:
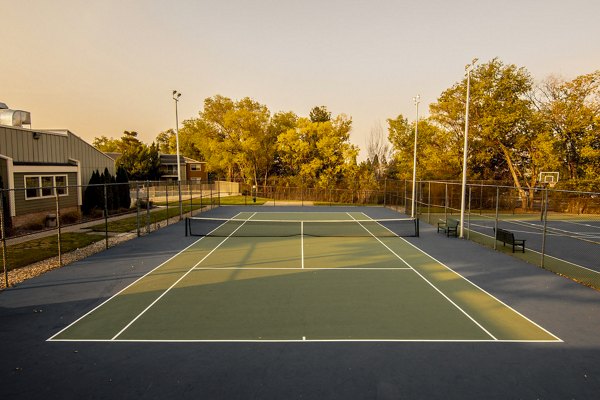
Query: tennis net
[221,227]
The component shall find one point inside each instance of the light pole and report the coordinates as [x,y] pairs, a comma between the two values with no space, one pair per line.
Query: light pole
[414,180]
[468,69]
[176,96]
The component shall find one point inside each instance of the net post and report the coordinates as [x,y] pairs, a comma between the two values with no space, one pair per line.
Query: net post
[186,222]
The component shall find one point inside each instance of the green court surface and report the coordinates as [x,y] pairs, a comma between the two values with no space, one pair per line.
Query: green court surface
[368,286]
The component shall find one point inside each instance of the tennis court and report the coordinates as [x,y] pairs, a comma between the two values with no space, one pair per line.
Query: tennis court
[568,237]
[303,276]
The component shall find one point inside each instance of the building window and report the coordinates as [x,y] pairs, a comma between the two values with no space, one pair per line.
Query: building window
[196,167]
[60,182]
[45,186]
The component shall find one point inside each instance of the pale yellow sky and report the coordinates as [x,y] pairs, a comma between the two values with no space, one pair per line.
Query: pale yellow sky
[99,68]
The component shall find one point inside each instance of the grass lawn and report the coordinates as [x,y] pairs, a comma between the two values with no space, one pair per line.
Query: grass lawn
[242,201]
[130,224]
[22,254]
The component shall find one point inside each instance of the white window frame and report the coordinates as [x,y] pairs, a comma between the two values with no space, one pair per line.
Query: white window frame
[40,189]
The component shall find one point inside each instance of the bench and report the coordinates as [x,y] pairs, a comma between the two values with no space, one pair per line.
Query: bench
[449,227]
[508,237]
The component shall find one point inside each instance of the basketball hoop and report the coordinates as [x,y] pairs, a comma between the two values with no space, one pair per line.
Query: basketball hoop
[549,179]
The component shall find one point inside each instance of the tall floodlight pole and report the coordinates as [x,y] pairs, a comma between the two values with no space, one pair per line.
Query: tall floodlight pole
[468,70]
[176,96]
[414,180]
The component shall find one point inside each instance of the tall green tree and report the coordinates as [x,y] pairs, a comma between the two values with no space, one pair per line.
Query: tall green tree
[500,121]
[319,114]
[107,145]
[438,155]
[234,137]
[318,153]
[139,160]
[167,142]
[570,115]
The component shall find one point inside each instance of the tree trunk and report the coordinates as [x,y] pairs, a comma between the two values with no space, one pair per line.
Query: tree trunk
[513,172]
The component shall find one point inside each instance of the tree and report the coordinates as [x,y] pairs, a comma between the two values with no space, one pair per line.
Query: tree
[107,145]
[500,121]
[139,160]
[234,137]
[123,192]
[93,196]
[320,114]
[167,142]
[438,155]
[570,115]
[318,153]
[379,151]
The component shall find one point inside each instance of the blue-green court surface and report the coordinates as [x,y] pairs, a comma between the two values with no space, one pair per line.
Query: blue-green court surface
[362,284]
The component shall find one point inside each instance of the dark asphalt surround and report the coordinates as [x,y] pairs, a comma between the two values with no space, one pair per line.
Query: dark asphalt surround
[33,368]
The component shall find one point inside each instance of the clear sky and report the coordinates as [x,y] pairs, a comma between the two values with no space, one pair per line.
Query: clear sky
[102,67]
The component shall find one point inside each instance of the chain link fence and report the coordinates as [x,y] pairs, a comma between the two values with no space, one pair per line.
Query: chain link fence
[46,222]
[561,227]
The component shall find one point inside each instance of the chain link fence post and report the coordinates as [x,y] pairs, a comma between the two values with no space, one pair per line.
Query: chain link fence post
[137,207]
[3,236]
[496,219]
[167,200]
[105,216]
[545,220]
[58,238]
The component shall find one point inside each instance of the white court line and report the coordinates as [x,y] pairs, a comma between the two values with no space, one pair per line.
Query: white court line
[306,269]
[127,287]
[176,282]
[302,243]
[478,287]
[554,231]
[545,255]
[304,340]
[431,284]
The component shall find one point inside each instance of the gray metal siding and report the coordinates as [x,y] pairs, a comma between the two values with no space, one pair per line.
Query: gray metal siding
[59,148]
[90,158]
[20,145]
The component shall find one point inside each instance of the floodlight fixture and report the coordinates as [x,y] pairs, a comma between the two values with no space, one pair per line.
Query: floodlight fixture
[176,96]
[416,100]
